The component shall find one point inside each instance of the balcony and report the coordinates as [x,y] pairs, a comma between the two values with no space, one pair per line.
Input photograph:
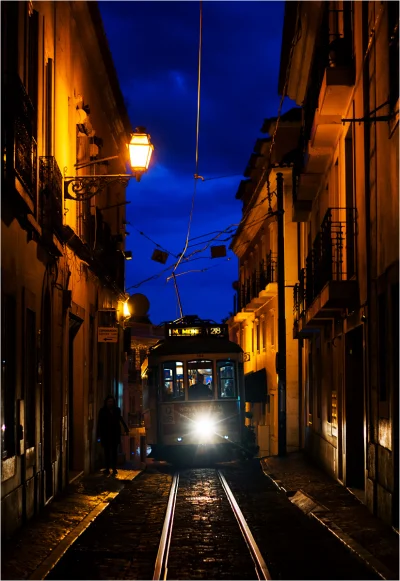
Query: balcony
[19,142]
[261,285]
[328,94]
[328,283]
[50,195]
[336,88]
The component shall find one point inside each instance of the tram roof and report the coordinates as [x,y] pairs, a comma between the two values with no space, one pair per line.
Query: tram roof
[194,345]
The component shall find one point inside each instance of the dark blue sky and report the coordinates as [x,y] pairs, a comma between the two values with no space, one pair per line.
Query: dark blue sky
[155,51]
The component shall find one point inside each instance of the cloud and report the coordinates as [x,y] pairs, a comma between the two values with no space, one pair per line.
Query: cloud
[155,50]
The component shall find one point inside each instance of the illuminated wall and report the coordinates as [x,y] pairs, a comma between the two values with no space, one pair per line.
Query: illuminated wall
[57,253]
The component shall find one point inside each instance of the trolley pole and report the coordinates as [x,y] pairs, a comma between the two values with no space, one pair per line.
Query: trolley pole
[281,320]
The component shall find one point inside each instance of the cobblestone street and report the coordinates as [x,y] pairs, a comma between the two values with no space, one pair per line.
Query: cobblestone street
[340,508]
[122,542]
[31,545]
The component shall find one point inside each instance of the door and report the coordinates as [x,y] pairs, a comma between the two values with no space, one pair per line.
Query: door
[354,409]
[47,395]
[74,326]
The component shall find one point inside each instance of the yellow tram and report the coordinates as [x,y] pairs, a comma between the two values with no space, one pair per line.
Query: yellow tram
[193,391]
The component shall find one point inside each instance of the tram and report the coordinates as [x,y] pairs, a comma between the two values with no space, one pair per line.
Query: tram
[193,392]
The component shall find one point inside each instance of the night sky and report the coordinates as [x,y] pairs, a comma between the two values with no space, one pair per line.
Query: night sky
[155,51]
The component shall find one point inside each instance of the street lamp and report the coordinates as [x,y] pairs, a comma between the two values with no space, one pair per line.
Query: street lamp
[84,187]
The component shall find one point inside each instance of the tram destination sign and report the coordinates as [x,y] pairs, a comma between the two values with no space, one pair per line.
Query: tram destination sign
[208,330]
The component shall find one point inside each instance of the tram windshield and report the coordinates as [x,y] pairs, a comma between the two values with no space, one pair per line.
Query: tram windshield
[200,379]
[173,387]
[226,379]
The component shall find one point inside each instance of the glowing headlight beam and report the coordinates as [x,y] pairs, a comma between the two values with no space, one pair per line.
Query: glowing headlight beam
[204,426]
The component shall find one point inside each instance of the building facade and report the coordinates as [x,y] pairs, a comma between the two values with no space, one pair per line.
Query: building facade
[62,265]
[255,321]
[340,63]
[141,334]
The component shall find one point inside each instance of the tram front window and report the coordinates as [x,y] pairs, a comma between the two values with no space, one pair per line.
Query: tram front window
[226,379]
[173,388]
[200,376]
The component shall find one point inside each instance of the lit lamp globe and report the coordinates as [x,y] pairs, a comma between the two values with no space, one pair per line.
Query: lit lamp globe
[140,150]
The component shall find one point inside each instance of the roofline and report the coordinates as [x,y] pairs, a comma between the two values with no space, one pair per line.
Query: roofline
[289,24]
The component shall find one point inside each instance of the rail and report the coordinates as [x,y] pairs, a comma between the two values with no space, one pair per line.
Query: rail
[260,565]
[161,565]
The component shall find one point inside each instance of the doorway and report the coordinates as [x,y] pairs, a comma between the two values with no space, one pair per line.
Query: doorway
[354,410]
[47,396]
[74,326]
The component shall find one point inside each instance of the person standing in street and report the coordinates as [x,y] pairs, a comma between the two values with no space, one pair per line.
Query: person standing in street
[109,432]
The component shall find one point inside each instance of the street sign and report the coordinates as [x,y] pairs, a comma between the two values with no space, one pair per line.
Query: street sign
[107,335]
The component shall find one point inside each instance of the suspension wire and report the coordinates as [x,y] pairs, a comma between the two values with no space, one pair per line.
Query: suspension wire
[196,176]
[222,177]
[266,170]
[154,242]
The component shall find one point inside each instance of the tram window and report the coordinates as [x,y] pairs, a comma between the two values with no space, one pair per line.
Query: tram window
[173,388]
[200,379]
[226,379]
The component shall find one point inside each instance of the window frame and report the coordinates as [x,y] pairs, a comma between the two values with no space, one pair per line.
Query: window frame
[212,367]
[174,381]
[225,362]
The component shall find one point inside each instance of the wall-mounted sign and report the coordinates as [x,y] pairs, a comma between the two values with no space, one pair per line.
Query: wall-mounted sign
[107,335]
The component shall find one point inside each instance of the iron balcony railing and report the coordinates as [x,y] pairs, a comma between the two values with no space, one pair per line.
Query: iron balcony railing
[19,121]
[299,297]
[50,185]
[331,258]
[257,281]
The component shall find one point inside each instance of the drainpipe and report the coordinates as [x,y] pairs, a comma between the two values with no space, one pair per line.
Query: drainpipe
[281,320]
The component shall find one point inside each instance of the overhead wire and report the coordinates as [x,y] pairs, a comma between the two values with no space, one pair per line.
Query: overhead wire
[266,170]
[196,176]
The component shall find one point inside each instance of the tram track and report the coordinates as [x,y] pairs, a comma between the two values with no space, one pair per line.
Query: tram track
[162,561]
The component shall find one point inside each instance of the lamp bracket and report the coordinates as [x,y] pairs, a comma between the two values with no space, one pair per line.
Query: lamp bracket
[81,188]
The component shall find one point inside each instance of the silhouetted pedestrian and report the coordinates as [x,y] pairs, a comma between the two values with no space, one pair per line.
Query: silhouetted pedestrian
[109,431]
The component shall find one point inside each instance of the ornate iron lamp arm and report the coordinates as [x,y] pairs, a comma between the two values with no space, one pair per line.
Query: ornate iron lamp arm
[81,188]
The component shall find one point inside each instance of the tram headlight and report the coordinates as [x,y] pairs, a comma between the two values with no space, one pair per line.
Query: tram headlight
[204,426]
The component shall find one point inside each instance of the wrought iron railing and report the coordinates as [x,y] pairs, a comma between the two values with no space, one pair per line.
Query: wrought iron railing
[268,270]
[299,297]
[19,133]
[50,180]
[257,281]
[333,253]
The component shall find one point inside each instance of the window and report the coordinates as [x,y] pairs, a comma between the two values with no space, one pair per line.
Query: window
[226,379]
[173,388]
[200,379]
[258,335]
[272,329]
[382,346]
[264,334]
[310,389]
